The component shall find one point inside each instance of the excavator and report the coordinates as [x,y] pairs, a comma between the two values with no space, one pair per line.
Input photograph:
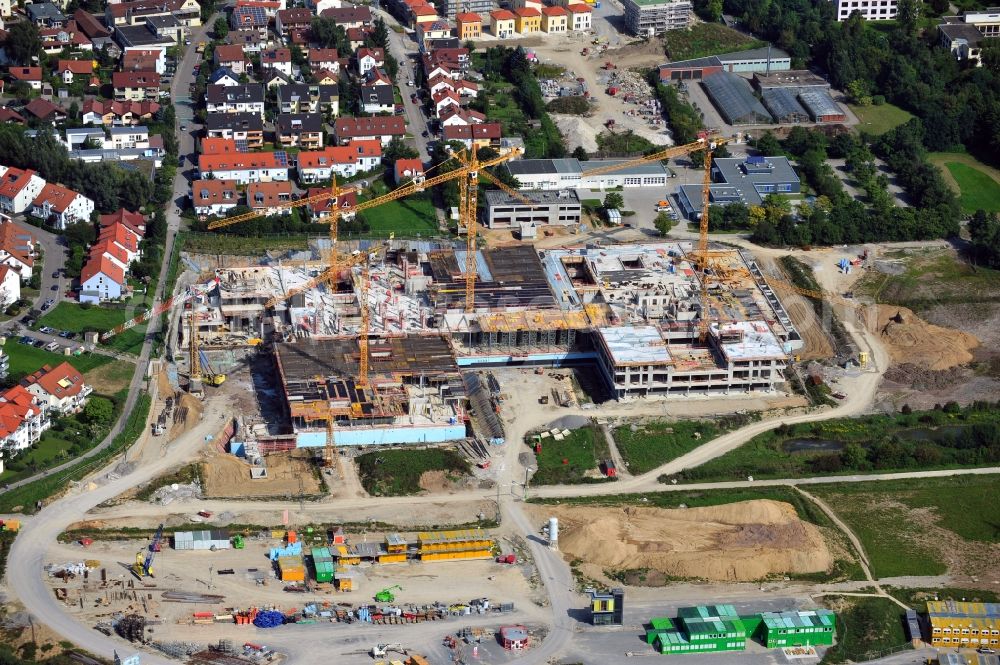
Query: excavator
[386,595]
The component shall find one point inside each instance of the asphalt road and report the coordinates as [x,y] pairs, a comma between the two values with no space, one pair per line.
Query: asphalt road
[404,50]
[54,259]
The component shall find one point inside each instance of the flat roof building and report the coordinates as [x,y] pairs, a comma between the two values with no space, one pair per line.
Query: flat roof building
[646,18]
[549,174]
[755,60]
[871,10]
[963,625]
[742,180]
[557,208]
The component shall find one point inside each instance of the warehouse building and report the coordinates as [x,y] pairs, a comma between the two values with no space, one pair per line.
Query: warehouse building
[783,106]
[821,106]
[732,96]
[798,79]
[964,625]
[214,539]
[647,18]
[557,208]
[742,180]
[549,174]
[754,60]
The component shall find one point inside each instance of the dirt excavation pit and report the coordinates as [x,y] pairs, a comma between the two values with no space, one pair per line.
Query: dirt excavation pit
[737,542]
[288,474]
[910,339]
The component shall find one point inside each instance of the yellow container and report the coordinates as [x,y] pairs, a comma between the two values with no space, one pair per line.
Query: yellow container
[392,558]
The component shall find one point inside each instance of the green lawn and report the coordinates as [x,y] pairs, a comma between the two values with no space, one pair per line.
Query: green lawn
[50,451]
[654,444]
[705,39]
[866,627]
[880,119]
[397,472]
[70,316]
[897,539]
[978,184]
[405,217]
[220,243]
[627,141]
[26,359]
[566,461]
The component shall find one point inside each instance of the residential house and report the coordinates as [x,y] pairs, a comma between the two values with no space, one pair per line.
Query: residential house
[324,58]
[580,16]
[214,197]
[145,59]
[29,75]
[129,137]
[369,59]
[8,115]
[431,31]
[120,241]
[303,98]
[325,77]
[555,19]
[68,37]
[289,22]
[380,128]
[136,12]
[232,57]
[433,71]
[452,115]
[60,389]
[251,19]
[321,210]
[141,36]
[503,23]
[319,6]
[95,112]
[345,161]
[443,99]
[5,12]
[69,69]
[356,37]
[102,279]
[466,89]
[479,135]
[77,137]
[223,76]
[422,14]
[133,222]
[529,20]
[408,169]
[251,40]
[302,130]
[279,59]
[17,248]
[60,206]
[456,58]
[221,159]
[267,197]
[350,16]
[469,25]
[45,110]
[18,189]
[22,421]
[88,25]
[247,129]
[167,27]
[248,98]
[272,78]
[438,83]
[10,286]
[377,99]
[45,15]
[270,7]
[135,86]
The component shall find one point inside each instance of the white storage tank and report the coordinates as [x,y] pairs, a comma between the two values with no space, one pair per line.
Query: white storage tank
[554,532]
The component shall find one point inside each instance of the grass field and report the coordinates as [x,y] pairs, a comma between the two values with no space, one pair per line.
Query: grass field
[405,217]
[567,461]
[705,39]
[397,472]
[977,184]
[890,518]
[880,119]
[654,444]
[916,597]
[865,628]
[26,359]
[217,243]
[627,141]
[73,317]
[52,449]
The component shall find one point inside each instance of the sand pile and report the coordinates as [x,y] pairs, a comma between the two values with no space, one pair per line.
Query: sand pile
[920,343]
[744,541]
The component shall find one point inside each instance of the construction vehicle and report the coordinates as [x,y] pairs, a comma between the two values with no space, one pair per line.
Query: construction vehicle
[382,650]
[143,566]
[506,558]
[238,542]
[386,595]
[201,370]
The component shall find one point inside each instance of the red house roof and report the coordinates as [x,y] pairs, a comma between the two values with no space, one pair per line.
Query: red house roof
[102,264]
[61,381]
[76,66]
[135,80]
[26,73]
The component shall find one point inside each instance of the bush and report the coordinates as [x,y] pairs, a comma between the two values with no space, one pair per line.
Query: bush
[575,105]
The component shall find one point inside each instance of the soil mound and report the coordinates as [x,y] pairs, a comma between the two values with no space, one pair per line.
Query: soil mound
[744,541]
[910,339]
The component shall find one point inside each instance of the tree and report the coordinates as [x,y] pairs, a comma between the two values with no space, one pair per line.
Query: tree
[768,145]
[23,42]
[580,153]
[328,34]
[98,411]
[220,28]
[907,14]
[614,200]
[380,34]
[74,110]
[858,92]
[397,149]
[663,223]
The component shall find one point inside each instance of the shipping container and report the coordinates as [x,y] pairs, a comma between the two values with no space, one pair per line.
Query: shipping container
[292,569]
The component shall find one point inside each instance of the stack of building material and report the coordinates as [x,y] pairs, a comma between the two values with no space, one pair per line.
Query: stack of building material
[450,545]
[291,569]
[293,549]
[323,564]
[214,539]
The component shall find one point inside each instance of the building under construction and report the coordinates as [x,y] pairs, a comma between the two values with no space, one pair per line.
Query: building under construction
[641,314]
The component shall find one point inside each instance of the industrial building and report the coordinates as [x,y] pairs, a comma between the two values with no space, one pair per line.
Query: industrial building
[741,180]
[821,106]
[634,312]
[755,60]
[733,97]
[715,628]
[647,18]
[211,539]
[964,625]
[570,173]
[783,106]
[556,208]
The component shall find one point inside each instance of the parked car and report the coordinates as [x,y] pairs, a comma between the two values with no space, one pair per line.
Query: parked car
[47,330]
[52,346]
[38,343]
[66,334]
[55,274]
[424,133]
[48,303]
[24,339]
[55,287]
